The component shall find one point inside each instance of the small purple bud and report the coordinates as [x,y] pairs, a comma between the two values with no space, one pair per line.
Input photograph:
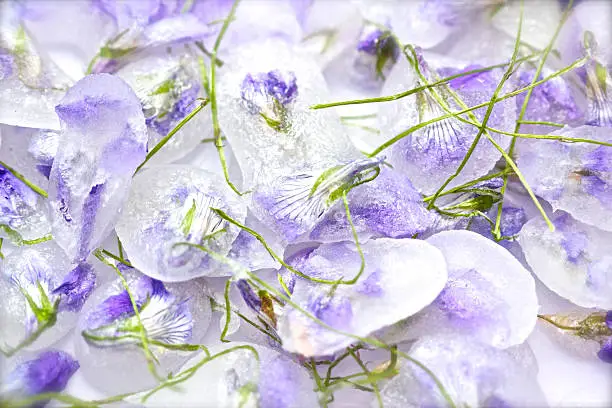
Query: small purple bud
[49,372]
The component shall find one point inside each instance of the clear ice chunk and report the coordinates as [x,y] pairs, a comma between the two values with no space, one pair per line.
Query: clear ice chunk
[109,343]
[174,204]
[103,140]
[574,261]
[471,373]
[400,278]
[576,177]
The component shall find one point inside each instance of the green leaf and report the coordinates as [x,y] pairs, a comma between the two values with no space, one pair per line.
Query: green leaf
[188,220]
[164,87]
[602,75]
[327,173]
[114,53]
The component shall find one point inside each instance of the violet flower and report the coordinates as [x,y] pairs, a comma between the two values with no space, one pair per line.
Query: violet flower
[269,94]
[49,372]
[164,317]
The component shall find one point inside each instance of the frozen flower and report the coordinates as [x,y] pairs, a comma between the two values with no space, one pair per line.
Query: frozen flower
[388,206]
[181,209]
[390,289]
[596,327]
[573,261]
[269,95]
[49,372]
[572,177]
[292,205]
[469,373]
[43,147]
[17,201]
[165,318]
[431,154]
[103,141]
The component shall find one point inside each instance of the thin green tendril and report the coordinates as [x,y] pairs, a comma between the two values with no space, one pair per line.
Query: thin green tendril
[24,180]
[228,312]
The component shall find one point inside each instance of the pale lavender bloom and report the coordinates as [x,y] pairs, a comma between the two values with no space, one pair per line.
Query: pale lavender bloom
[388,206]
[164,317]
[599,83]
[49,372]
[293,205]
[269,94]
[573,241]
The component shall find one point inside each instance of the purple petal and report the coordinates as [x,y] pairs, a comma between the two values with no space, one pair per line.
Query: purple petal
[49,372]
[605,353]
[112,308]
[76,287]
[609,319]
[248,294]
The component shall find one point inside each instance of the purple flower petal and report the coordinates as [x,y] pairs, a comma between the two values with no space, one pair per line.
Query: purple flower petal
[76,287]
[49,372]
[605,353]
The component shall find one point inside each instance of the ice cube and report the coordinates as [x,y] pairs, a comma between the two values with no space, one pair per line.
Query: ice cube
[103,140]
[401,276]
[173,204]
[574,261]
[109,344]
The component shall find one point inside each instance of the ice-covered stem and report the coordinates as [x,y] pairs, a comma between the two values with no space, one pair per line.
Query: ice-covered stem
[213,97]
[496,230]
[24,180]
[421,88]
[190,372]
[169,136]
[17,239]
[228,311]
[456,114]
[367,373]
[141,330]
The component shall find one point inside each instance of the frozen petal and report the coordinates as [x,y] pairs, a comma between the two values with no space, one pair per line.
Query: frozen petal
[393,286]
[431,154]
[573,261]
[473,374]
[174,204]
[575,177]
[103,141]
[109,341]
[49,372]
[387,207]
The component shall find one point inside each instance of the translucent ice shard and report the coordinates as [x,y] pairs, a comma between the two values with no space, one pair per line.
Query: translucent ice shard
[489,294]
[428,156]
[264,111]
[103,140]
[48,372]
[471,373]
[576,177]
[168,85]
[574,261]
[41,295]
[236,378]
[109,345]
[43,148]
[400,278]
[173,204]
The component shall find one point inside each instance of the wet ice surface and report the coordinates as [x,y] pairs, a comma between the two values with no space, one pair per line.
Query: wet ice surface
[236,378]
[433,153]
[573,261]
[573,177]
[180,313]
[391,288]
[173,204]
[471,373]
[488,295]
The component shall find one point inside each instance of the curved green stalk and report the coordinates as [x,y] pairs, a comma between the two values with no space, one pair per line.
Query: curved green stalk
[24,180]
[228,312]
[496,231]
[213,97]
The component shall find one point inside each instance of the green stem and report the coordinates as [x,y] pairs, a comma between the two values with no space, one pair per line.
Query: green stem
[24,180]
[367,373]
[169,136]
[542,123]
[415,90]
[557,325]
[496,232]
[228,312]
[213,98]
